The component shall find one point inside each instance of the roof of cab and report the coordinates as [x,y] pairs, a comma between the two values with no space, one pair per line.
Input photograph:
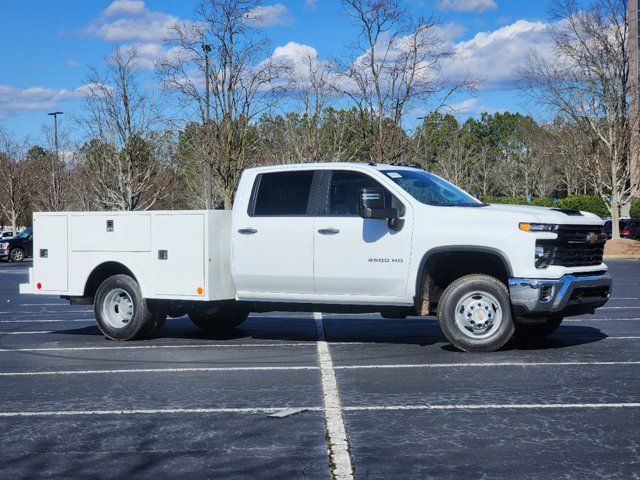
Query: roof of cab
[331,166]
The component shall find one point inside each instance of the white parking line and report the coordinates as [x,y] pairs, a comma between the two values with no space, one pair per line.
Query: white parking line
[618,308]
[484,364]
[311,367]
[339,456]
[150,411]
[34,332]
[152,347]
[596,319]
[50,320]
[506,406]
[46,312]
[355,408]
[154,370]
[42,305]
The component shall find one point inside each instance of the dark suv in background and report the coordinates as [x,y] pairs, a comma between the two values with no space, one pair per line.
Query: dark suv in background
[629,228]
[18,248]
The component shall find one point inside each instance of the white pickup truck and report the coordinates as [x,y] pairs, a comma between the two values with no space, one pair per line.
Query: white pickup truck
[337,237]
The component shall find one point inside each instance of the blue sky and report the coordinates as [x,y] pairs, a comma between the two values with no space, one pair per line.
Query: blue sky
[47,47]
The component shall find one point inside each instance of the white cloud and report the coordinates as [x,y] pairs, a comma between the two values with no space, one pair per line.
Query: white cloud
[295,52]
[127,7]
[470,106]
[147,54]
[14,100]
[131,20]
[493,57]
[310,4]
[72,63]
[270,15]
[475,6]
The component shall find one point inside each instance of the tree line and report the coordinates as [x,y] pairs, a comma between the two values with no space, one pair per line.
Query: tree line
[186,143]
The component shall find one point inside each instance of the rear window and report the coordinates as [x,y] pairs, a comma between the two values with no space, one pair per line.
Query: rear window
[282,193]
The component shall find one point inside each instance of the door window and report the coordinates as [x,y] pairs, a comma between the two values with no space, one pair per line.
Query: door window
[282,194]
[344,193]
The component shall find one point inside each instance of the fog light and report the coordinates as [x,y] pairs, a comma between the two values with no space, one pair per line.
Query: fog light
[543,254]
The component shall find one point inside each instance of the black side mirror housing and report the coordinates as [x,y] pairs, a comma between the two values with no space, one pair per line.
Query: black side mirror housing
[372,206]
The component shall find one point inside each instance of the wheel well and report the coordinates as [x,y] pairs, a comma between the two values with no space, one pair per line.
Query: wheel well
[101,273]
[440,268]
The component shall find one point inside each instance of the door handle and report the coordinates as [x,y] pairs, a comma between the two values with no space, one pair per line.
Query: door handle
[328,231]
[248,231]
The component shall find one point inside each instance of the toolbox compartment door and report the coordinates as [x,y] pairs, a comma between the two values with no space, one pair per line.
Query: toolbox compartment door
[50,253]
[111,232]
[178,254]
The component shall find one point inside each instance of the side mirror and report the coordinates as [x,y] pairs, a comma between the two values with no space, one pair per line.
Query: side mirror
[372,206]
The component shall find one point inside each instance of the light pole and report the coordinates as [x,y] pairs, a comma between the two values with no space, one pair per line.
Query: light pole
[54,177]
[207,118]
[55,130]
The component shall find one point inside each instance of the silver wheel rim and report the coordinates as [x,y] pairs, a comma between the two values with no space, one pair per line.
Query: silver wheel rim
[478,315]
[17,255]
[117,308]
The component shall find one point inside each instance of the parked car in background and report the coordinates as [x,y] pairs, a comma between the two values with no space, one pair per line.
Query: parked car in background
[17,248]
[629,228]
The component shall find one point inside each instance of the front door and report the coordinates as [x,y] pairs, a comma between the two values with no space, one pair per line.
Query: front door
[359,257]
[273,240]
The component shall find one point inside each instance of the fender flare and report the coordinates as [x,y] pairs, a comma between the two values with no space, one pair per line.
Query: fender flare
[459,248]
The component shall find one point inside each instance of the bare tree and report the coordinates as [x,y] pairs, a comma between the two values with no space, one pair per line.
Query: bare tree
[586,80]
[396,64]
[119,122]
[242,83]
[50,172]
[311,84]
[14,179]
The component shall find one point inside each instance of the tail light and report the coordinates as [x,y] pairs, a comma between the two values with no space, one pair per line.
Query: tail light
[625,231]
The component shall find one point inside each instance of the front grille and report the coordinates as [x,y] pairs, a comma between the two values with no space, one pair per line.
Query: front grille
[573,249]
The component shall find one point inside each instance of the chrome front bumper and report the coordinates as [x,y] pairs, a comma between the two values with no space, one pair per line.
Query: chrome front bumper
[568,295]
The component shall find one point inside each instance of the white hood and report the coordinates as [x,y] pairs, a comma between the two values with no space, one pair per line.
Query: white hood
[532,214]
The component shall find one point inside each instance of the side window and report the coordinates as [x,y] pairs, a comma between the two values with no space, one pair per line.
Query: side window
[344,192]
[282,193]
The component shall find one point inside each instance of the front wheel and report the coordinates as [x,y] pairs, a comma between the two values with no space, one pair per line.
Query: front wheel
[474,313]
[535,331]
[217,318]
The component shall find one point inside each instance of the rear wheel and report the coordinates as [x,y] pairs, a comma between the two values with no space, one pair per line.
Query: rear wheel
[217,318]
[16,255]
[532,331]
[121,311]
[474,313]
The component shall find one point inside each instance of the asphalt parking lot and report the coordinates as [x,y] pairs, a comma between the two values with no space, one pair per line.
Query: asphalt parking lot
[74,405]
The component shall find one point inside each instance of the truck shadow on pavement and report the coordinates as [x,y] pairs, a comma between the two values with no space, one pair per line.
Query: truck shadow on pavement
[422,332]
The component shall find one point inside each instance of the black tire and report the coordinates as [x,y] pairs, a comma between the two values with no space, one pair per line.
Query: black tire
[17,255]
[215,319]
[534,331]
[465,287]
[158,318]
[142,322]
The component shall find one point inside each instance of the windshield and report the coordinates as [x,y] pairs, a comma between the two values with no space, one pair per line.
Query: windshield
[431,189]
[24,233]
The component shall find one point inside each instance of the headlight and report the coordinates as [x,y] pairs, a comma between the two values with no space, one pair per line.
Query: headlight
[537,227]
[4,245]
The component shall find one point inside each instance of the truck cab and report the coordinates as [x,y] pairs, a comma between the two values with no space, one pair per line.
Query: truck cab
[358,238]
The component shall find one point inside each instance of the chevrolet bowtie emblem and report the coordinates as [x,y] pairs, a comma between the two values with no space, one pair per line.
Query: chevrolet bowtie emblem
[591,238]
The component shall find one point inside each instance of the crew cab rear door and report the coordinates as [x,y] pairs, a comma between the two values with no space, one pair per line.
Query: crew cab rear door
[354,257]
[273,238]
